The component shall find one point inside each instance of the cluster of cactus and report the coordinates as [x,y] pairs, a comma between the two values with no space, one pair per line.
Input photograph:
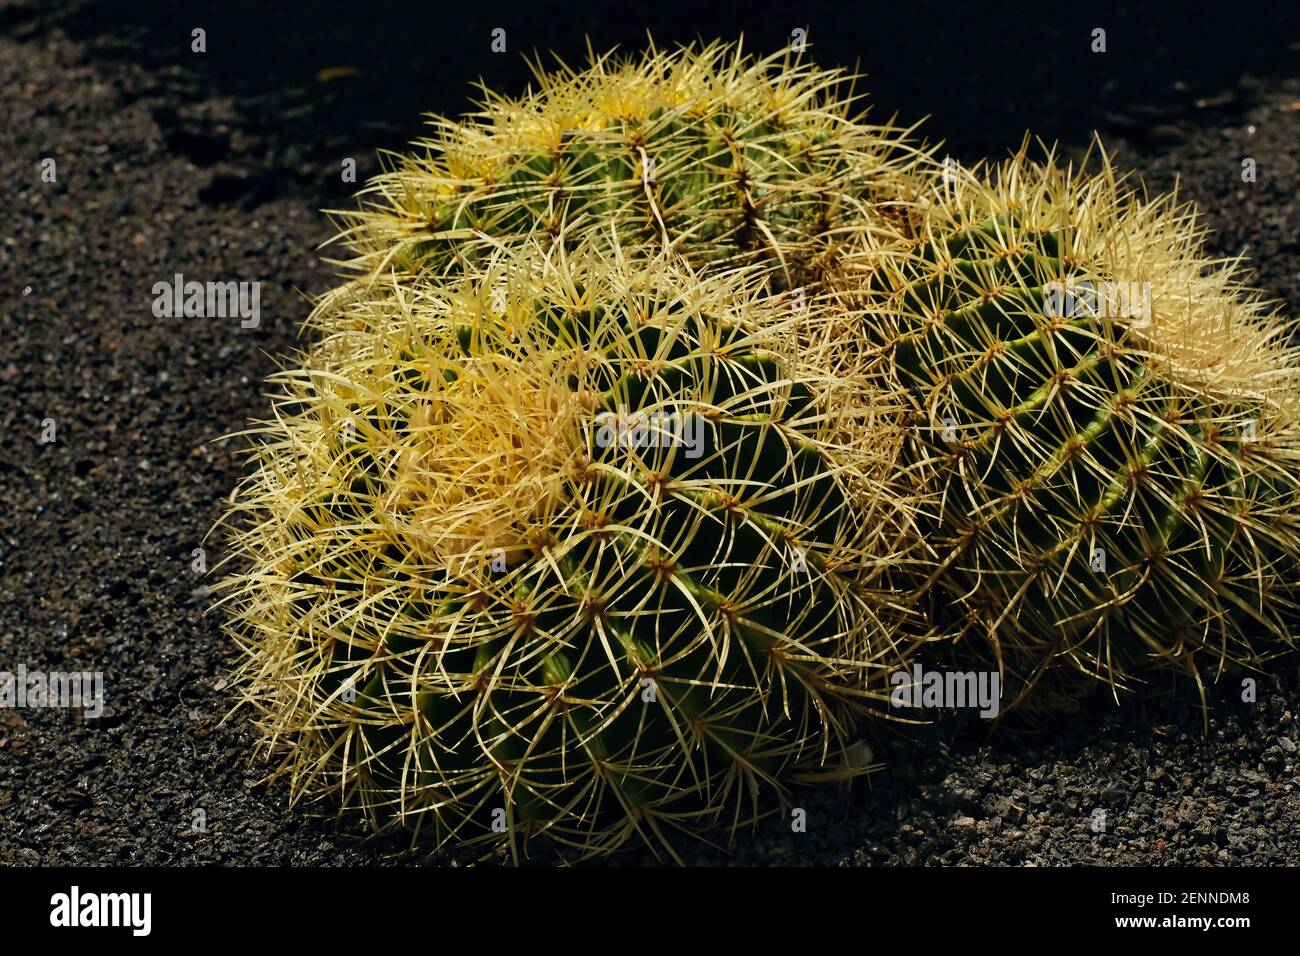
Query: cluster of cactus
[670,409]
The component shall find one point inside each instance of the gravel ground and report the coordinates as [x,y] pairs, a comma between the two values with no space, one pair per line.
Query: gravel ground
[160,171]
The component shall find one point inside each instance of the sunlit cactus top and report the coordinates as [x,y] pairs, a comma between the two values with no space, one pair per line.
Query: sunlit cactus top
[719,155]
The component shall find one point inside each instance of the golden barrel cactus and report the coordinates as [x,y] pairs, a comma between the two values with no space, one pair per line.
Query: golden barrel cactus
[1113,421]
[572,545]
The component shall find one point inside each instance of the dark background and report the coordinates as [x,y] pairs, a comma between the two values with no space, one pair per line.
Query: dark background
[985,73]
[216,165]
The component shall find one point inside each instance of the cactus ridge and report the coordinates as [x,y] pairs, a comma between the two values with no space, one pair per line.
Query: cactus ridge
[1118,468]
[723,157]
[463,607]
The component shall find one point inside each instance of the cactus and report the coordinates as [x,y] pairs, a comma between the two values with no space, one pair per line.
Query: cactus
[572,545]
[1112,419]
[724,158]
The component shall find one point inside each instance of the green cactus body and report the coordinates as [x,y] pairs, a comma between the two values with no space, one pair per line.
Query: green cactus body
[724,158]
[595,566]
[1112,424]
[721,181]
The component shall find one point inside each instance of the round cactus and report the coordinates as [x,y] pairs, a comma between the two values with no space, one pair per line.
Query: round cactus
[568,545]
[1112,417]
[724,158]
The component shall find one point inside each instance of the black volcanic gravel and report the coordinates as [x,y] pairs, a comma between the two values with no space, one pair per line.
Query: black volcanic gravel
[160,171]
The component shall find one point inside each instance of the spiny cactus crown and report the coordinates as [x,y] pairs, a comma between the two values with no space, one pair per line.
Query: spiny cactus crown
[721,156]
[577,546]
